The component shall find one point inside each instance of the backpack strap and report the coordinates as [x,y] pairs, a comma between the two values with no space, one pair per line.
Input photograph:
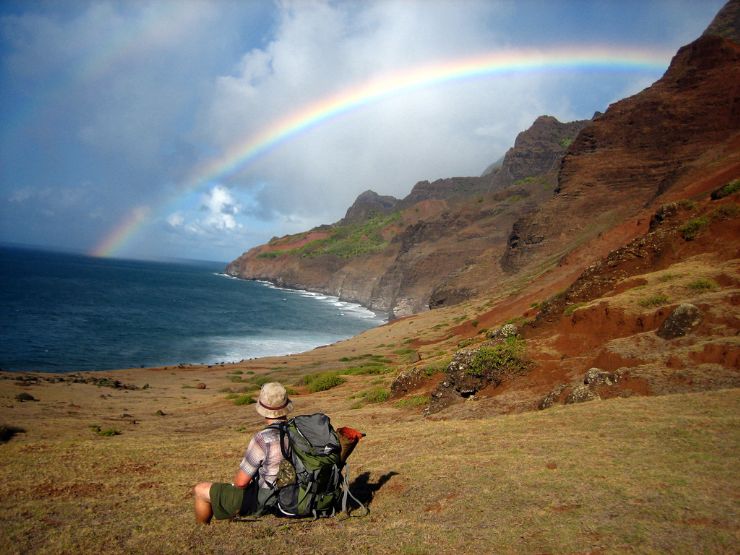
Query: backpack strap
[347,493]
[282,428]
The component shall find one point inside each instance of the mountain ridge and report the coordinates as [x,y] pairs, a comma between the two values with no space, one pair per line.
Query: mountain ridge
[432,232]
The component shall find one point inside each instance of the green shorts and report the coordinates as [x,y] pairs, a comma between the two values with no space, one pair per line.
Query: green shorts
[229,501]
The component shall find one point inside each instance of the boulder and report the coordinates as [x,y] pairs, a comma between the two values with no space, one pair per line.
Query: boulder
[597,376]
[580,394]
[507,330]
[551,397]
[407,381]
[684,318]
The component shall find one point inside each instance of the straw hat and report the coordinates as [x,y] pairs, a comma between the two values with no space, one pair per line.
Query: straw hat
[273,401]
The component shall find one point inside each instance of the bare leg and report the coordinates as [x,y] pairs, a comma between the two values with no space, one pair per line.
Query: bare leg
[203,509]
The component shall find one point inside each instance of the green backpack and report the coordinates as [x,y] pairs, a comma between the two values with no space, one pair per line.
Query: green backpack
[312,483]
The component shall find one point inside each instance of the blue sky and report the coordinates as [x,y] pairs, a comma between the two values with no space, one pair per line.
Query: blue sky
[108,107]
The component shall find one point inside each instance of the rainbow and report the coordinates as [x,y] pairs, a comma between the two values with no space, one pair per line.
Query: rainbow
[125,229]
[280,131]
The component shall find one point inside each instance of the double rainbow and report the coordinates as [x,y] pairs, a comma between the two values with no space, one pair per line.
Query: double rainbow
[242,153]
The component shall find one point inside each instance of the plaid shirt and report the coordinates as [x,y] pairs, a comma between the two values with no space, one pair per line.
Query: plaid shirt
[263,456]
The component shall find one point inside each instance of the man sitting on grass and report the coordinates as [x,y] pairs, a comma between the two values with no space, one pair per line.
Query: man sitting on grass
[253,490]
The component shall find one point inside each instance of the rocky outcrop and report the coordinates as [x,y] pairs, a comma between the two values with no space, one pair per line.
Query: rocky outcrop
[369,204]
[536,151]
[472,370]
[681,321]
[594,383]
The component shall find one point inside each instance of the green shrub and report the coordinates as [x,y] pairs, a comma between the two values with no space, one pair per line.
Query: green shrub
[377,395]
[436,367]
[465,342]
[260,380]
[668,277]
[244,400]
[323,381]
[731,188]
[691,229]
[107,432]
[236,372]
[702,284]
[687,204]
[654,301]
[374,395]
[503,357]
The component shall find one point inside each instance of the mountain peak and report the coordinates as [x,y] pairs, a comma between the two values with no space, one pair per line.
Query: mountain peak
[726,23]
[367,204]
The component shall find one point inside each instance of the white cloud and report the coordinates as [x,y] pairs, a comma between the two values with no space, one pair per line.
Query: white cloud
[216,215]
[221,208]
[176,219]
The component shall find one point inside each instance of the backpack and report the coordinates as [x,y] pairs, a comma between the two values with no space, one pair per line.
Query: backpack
[314,484]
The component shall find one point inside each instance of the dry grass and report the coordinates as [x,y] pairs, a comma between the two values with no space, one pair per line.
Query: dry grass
[642,474]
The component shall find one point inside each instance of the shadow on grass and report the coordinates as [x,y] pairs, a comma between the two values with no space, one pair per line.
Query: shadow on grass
[7,432]
[362,488]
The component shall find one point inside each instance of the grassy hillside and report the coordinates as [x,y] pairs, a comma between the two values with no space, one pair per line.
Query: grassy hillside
[638,474]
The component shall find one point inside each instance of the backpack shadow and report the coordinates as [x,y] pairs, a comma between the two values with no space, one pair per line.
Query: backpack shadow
[362,488]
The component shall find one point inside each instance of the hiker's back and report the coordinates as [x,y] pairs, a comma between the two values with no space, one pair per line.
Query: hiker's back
[314,453]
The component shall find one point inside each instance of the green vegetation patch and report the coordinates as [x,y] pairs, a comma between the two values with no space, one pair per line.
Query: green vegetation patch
[654,301]
[244,400]
[691,229]
[271,254]
[571,308]
[260,380]
[730,189]
[565,142]
[413,402]
[502,358]
[322,381]
[367,369]
[702,285]
[372,395]
[346,241]
[436,367]
[668,277]
[105,432]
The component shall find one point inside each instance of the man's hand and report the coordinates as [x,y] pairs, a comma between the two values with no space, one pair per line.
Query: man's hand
[241,479]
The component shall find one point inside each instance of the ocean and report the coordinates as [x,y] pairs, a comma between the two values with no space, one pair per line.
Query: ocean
[65,312]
